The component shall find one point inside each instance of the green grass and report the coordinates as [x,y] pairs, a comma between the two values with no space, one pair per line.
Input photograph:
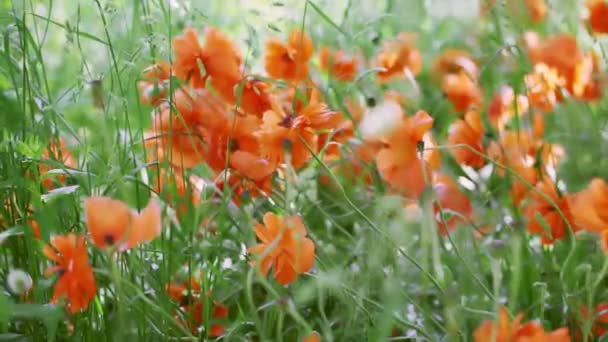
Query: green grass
[376,270]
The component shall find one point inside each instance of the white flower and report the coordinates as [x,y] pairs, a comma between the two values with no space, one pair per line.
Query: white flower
[19,282]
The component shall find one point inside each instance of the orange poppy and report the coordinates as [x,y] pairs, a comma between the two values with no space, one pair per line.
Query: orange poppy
[330,142]
[317,115]
[57,152]
[112,223]
[197,133]
[289,61]
[355,109]
[356,163]
[191,307]
[562,53]
[397,57]
[600,319]
[180,192]
[283,134]
[504,106]
[76,281]
[284,247]
[454,61]
[543,86]
[590,206]
[35,229]
[313,337]
[604,241]
[153,88]
[504,330]
[219,59]
[339,64]
[461,90]
[551,227]
[598,15]
[469,132]
[252,97]
[452,201]
[398,161]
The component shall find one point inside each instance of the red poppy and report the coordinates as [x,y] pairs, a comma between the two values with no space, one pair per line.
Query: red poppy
[112,223]
[504,106]
[504,330]
[469,132]
[284,247]
[285,134]
[76,281]
[313,337]
[550,225]
[153,88]
[398,161]
[397,57]
[453,202]
[454,61]
[598,15]
[339,64]
[590,206]
[461,90]
[191,307]
[600,319]
[218,59]
[289,61]
[57,152]
[563,54]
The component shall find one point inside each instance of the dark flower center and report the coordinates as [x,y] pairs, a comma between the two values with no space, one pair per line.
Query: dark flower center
[109,239]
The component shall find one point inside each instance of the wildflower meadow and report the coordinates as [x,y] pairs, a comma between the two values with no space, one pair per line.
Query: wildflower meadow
[303,170]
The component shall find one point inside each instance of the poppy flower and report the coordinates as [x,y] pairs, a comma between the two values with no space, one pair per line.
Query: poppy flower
[600,319]
[313,337]
[520,164]
[252,97]
[504,106]
[218,59]
[329,143]
[339,64]
[194,134]
[452,201]
[398,161]
[76,281]
[289,61]
[317,115]
[284,247]
[191,307]
[563,54]
[112,223]
[59,153]
[282,134]
[542,87]
[153,88]
[514,331]
[590,206]
[397,57]
[454,61]
[355,163]
[35,229]
[598,15]
[179,191]
[550,225]
[461,90]
[468,131]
